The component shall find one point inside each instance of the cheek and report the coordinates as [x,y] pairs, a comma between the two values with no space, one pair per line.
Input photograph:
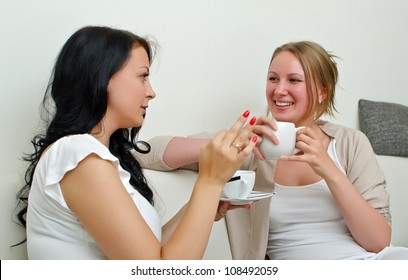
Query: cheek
[130,94]
[301,95]
[123,101]
[269,96]
[269,89]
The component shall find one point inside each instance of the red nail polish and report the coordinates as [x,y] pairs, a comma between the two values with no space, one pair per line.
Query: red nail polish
[246,113]
[252,121]
[254,139]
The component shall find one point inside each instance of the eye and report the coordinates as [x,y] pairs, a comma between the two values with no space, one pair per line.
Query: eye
[145,76]
[273,79]
[295,81]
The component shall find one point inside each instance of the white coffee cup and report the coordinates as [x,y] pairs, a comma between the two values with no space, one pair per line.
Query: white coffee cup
[286,135]
[240,185]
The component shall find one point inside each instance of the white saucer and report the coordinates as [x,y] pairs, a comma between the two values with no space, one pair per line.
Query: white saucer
[254,196]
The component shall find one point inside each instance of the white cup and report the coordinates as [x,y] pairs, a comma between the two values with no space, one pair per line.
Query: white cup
[240,185]
[286,135]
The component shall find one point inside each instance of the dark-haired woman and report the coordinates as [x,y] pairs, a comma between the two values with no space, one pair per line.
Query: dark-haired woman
[87,196]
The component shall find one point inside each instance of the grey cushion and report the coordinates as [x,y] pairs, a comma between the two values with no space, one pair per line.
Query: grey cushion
[386,126]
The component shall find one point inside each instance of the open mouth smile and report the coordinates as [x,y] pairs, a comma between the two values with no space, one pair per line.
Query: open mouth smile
[283,104]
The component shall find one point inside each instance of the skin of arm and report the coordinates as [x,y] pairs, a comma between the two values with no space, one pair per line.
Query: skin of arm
[169,228]
[171,225]
[181,151]
[106,210]
[368,227]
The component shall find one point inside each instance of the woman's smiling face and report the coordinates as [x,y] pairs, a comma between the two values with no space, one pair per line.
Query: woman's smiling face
[286,90]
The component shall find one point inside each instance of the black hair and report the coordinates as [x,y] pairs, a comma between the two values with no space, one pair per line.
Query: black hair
[77,92]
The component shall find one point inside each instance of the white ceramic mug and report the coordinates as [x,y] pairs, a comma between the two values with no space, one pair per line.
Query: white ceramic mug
[240,185]
[286,135]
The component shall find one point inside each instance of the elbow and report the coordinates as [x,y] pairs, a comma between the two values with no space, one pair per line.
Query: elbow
[378,247]
[376,242]
[380,244]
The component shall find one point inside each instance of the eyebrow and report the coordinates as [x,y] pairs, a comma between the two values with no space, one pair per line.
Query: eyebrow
[296,74]
[147,68]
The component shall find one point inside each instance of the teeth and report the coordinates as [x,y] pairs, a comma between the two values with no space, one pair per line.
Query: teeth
[283,103]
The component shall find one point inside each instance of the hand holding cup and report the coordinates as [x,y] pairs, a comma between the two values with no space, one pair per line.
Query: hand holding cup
[286,134]
[225,153]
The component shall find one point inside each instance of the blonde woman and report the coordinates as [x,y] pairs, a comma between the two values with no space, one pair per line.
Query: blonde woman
[331,200]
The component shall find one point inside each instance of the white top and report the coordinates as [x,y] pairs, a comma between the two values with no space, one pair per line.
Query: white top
[305,223]
[53,231]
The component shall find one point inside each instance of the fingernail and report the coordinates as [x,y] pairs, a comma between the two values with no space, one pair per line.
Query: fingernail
[252,121]
[248,206]
[254,139]
[228,205]
[246,113]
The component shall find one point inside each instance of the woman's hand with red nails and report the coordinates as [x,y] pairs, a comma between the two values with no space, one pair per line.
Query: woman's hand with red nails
[219,159]
[264,127]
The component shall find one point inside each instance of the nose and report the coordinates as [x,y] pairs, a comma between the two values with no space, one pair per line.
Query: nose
[281,88]
[150,93]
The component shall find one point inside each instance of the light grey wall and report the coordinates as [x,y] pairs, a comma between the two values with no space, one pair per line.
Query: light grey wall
[210,67]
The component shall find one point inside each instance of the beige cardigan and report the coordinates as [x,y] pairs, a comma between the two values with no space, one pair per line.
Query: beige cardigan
[248,230]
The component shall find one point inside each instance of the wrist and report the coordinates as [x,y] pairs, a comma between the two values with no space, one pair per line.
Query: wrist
[210,182]
[335,177]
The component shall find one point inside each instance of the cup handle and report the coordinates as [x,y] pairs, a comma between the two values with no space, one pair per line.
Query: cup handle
[297,129]
[243,192]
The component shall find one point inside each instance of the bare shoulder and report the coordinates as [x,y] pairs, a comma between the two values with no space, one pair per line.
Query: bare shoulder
[92,176]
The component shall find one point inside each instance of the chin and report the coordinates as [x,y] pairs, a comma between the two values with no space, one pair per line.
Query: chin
[133,123]
[282,118]
[137,124]
[139,121]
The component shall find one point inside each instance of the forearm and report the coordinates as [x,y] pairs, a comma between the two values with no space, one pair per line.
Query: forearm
[154,159]
[368,227]
[169,228]
[218,161]
[190,237]
[182,151]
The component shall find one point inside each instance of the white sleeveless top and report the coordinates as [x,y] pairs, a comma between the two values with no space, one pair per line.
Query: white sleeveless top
[305,223]
[53,231]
